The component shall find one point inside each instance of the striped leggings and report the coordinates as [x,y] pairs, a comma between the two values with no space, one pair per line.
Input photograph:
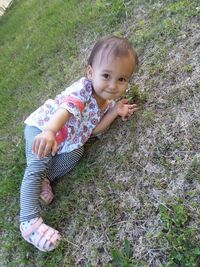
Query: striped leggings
[37,169]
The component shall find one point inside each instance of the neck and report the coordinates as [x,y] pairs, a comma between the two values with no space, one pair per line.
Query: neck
[100,101]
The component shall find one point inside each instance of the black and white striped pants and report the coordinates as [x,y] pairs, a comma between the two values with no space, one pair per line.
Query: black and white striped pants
[37,169]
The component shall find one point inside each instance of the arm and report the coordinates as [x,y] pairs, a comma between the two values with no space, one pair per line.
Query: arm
[106,121]
[58,120]
[45,142]
[121,108]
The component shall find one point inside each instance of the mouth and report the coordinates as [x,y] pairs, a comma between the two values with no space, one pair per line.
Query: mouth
[111,93]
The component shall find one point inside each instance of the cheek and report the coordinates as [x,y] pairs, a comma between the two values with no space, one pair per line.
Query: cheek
[100,83]
[97,86]
[96,80]
[123,89]
[95,83]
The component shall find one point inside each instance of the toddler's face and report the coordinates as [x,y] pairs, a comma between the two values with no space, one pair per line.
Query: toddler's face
[110,76]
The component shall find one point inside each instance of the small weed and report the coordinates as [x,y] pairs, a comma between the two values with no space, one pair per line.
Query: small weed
[194,170]
[182,240]
[188,68]
[176,97]
[123,258]
[170,28]
[189,9]
[134,95]
[156,69]
[121,159]
[148,117]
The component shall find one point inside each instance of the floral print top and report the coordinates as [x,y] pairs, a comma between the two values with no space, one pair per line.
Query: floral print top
[78,99]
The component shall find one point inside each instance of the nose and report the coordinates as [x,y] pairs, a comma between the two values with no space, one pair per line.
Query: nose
[112,84]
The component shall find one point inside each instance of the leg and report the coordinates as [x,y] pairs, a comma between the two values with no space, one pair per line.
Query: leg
[61,164]
[34,174]
[32,227]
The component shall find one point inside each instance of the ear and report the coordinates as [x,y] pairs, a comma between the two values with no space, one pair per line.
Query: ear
[89,72]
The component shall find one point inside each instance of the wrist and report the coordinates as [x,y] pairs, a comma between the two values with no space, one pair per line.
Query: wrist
[49,130]
[114,110]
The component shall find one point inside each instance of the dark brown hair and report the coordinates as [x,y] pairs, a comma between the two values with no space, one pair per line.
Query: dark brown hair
[114,46]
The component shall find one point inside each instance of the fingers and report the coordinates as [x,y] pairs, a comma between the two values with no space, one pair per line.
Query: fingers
[41,147]
[131,112]
[124,118]
[132,109]
[130,106]
[128,112]
[54,148]
[36,145]
[127,101]
[46,150]
[125,110]
[124,101]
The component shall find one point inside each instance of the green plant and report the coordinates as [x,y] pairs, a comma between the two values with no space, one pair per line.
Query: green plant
[122,258]
[189,68]
[184,249]
[134,95]
[148,117]
[194,170]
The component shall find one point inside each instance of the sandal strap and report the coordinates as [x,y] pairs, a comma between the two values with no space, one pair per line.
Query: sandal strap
[46,235]
[50,237]
[46,194]
[32,228]
[46,184]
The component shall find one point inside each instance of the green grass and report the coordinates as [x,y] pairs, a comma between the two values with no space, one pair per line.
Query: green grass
[180,236]
[43,47]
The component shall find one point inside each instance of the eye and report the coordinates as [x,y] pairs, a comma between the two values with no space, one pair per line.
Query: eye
[123,80]
[106,76]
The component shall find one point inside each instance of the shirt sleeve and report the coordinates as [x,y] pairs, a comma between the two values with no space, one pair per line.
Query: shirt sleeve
[74,97]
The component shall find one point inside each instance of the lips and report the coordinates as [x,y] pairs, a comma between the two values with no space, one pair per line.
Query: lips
[111,93]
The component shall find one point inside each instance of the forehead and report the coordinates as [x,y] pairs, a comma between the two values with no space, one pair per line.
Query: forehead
[123,64]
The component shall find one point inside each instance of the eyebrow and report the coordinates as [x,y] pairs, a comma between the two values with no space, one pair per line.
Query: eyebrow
[109,71]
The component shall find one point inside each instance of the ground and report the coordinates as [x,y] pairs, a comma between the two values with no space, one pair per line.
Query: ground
[134,198]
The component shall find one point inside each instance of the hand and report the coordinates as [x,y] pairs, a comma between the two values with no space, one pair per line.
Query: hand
[44,143]
[124,109]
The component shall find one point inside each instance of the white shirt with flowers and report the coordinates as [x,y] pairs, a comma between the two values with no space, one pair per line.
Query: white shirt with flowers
[78,99]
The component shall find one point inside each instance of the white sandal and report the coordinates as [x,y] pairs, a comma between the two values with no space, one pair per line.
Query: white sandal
[42,236]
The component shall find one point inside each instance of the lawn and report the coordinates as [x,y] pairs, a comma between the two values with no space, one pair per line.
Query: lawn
[134,199]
